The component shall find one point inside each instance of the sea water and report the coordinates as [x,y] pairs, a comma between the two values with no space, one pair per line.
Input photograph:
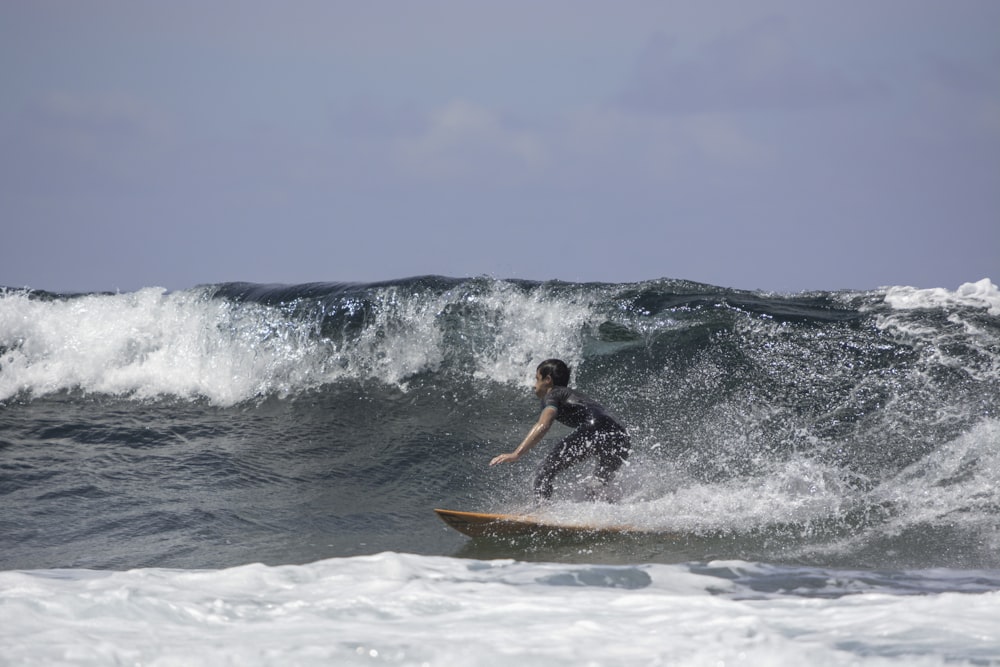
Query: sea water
[245,474]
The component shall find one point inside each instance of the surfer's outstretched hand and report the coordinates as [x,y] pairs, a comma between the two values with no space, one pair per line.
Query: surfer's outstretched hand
[536,433]
[505,458]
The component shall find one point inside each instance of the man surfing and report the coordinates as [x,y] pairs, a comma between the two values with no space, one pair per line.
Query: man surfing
[597,433]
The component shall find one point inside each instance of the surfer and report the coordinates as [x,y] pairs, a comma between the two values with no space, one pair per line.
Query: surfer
[597,433]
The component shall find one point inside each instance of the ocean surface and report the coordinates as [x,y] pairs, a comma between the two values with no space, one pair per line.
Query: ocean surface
[246,474]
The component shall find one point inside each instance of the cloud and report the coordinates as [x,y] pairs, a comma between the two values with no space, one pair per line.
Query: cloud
[68,142]
[95,119]
[465,142]
[757,67]
[612,149]
[596,148]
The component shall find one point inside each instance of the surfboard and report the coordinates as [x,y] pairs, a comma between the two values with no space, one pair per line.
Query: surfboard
[485,524]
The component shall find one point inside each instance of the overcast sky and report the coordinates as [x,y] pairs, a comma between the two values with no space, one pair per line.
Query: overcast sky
[767,144]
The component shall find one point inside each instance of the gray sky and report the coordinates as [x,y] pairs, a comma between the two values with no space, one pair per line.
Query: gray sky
[773,144]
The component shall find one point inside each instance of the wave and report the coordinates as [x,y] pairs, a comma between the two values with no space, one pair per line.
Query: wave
[732,381]
[236,342]
[823,427]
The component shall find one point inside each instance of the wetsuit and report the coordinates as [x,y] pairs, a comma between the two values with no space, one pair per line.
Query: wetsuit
[597,434]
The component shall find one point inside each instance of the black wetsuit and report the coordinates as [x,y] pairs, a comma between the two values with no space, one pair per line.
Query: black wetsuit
[597,434]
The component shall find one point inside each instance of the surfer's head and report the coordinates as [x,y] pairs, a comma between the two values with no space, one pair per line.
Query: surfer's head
[555,369]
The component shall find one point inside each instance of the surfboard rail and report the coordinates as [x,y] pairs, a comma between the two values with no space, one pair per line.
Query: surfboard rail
[487,524]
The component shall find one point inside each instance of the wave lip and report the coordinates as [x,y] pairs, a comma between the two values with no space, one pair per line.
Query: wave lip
[151,343]
[982,294]
[236,342]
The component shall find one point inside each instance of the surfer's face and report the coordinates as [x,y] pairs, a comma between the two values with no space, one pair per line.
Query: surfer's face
[542,385]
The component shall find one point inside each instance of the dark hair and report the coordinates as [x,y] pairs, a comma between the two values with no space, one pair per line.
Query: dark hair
[555,369]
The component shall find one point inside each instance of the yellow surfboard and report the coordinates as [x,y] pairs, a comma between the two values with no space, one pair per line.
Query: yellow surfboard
[484,524]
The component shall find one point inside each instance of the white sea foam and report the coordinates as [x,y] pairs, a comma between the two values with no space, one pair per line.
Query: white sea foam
[152,343]
[981,294]
[415,610]
[527,328]
[956,484]
[654,499]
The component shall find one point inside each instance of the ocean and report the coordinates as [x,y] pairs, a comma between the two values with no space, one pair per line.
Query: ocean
[246,474]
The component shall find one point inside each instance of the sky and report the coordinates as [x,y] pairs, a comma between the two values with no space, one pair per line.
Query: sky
[777,145]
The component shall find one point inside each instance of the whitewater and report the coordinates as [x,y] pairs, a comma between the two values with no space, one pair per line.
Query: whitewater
[246,474]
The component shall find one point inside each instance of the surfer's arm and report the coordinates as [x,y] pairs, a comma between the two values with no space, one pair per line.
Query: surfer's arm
[534,436]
